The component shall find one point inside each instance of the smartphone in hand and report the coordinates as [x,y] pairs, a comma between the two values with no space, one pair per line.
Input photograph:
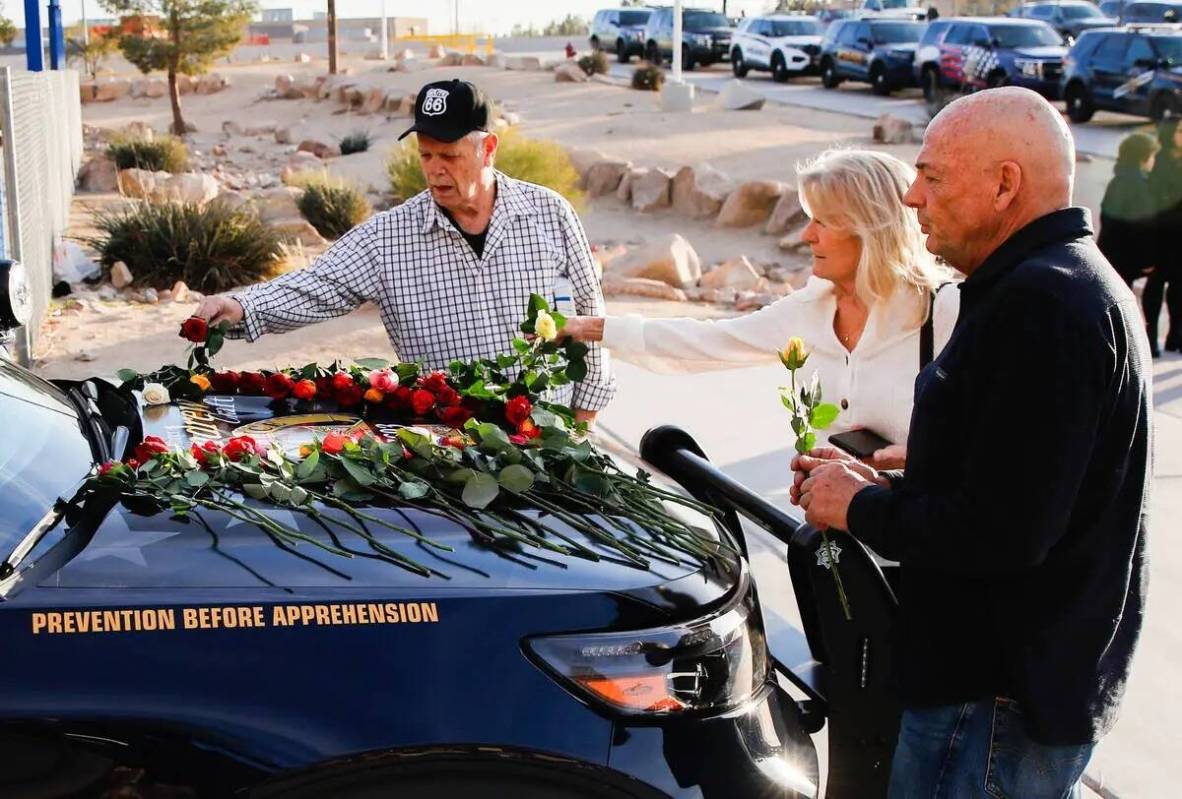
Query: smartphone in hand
[859,443]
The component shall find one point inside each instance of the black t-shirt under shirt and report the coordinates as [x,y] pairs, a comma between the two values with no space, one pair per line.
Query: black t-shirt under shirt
[475,240]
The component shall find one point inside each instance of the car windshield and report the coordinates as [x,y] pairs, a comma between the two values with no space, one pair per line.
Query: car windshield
[45,453]
[795,27]
[898,4]
[897,32]
[1170,49]
[1010,36]
[634,17]
[1080,12]
[704,20]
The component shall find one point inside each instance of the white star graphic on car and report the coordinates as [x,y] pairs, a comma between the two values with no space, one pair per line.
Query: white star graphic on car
[132,552]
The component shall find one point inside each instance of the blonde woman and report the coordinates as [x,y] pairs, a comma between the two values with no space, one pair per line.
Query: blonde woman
[862,314]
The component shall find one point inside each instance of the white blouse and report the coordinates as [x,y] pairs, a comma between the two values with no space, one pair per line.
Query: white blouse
[873,385]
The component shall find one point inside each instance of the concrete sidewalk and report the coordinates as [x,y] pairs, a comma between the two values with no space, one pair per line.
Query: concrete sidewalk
[737,418]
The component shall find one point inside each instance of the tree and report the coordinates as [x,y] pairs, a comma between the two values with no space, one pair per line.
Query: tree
[182,37]
[570,25]
[7,31]
[91,53]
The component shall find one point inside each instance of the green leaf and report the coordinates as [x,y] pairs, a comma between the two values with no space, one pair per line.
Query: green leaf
[516,478]
[592,483]
[214,343]
[806,443]
[824,415]
[458,476]
[576,371]
[519,344]
[788,402]
[127,375]
[492,438]
[537,303]
[413,489]
[254,491]
[298,496]
[280,492]
[372,363]
[308,465]
[575,350]
[361,475]
[196,478]
[480,490]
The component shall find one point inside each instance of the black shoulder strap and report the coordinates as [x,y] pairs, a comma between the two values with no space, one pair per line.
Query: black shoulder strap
[927,333]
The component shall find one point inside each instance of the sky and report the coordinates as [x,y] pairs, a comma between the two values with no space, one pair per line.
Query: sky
[480,16]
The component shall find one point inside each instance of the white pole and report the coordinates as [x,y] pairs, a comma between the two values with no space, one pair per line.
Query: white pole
[677,41]
[85,29]
[385,34]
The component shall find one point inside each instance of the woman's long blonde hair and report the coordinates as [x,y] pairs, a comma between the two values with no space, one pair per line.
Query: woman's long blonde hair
[861,191]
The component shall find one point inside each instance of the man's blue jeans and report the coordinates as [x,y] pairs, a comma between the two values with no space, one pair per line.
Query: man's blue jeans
[981,750]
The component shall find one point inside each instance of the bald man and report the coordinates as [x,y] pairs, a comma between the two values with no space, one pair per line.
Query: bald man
[1020,520]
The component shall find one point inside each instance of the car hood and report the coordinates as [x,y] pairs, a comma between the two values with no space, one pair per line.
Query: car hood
[1048,52]
[798,41]
[899,47]
[127,550]
[1098,22]
[717,33]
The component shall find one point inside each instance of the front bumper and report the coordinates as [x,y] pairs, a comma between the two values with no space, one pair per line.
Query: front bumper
[709,54]
[1047,87]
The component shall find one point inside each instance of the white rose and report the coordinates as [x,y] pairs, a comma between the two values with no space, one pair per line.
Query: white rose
[545,327]
[156,394]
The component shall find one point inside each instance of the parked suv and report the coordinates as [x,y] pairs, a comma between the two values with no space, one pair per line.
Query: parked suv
[705,37]
[620,30]
[968,53]
[784,45]
[877,51]
[1157,11]
[1069,17]
[1133,70]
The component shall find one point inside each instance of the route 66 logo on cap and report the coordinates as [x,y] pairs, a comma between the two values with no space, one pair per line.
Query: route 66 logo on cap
[435,103]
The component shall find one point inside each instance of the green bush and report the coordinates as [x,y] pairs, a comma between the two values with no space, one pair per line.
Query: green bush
[647,77]
[333,210]
[212,248]
[167,154]
[535,160]
[355,143]
[595,63]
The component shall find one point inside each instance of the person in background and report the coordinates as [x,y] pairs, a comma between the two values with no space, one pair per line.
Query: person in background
[1127,211]
[1165,184]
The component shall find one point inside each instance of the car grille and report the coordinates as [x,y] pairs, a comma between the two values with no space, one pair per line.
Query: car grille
[1052,70]
[812,49]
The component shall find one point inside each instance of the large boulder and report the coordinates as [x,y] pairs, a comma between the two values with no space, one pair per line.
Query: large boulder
[260,129]
[277,203]
[671,260]
[582,159]
[141,183]
[232,200]
[570,73]
[737,273]
[298,163]
[750,204]
[615,286]
[211,83]
[604,177]
[285,134]
[405,54]
[524,63]
[303,58]
[472,60]
[109,90]
[88,91]
[121,276]
[299,230]
[890,129]
[650,189]
[739,96]
[699,192]
[373,101]
[193,188]
[185,84]
[451,59]
[787,214]
[498,61]
[791,241]
[284,84]
[98,174]
[318,148]
[437,51]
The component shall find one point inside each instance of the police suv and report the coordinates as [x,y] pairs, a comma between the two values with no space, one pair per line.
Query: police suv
[197,657]
[1134,70]
[783,45]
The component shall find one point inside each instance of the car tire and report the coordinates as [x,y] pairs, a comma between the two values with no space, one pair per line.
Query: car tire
[779,68]
[622,52]
[738,65]
[1079,102]
[594,43]
[930,81]
[1164,106]
[652,54]
[829,76]
[687,59]
[878,81]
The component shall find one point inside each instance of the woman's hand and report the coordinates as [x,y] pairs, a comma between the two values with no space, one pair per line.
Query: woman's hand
[582,328]
[892,457]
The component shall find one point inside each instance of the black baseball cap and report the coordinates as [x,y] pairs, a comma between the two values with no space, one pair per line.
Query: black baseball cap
[449,110]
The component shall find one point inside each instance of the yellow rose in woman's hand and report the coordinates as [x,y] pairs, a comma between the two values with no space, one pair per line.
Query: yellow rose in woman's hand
[545,326]
[794,354]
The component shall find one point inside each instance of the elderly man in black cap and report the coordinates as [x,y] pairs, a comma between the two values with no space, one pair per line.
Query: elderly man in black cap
[452,268]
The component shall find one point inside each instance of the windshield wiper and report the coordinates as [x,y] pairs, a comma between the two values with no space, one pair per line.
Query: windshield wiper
[96,427]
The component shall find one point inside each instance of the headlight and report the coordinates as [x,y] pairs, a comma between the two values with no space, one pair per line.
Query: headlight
[702,39]
[637,34]
[1031,69]
[709,665]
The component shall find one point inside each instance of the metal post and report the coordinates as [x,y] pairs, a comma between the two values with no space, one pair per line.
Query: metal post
[34,54]
[332,37]
[57,38]
[22,344]
[677,43]
[385,35]
[85,27]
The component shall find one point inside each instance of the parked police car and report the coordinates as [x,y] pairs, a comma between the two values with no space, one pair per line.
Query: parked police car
[1069,18]
[874,50]
[705,37]
[984,52]
[202,655]
[1133,70]
[620,30]
[784,45]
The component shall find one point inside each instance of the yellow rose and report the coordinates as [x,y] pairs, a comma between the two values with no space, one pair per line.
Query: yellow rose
[794,353]
[201,381]
[156,394]
[545,326]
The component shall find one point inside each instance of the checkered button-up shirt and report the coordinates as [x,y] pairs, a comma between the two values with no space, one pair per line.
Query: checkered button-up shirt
[437,300]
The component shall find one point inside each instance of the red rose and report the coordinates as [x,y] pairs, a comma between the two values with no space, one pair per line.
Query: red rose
[240,447]
[279,385]
[201,452]
[528,429]
[106,467]
[195,329]
[421,402]
[434,382]
[349,397]
[133,464]
[149,448]
[342,381]
[454,416]
[324,386]
[304,390]
[252,383]
[518,439]
[334,443]
[225,382]
[518,409]
[448,396]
